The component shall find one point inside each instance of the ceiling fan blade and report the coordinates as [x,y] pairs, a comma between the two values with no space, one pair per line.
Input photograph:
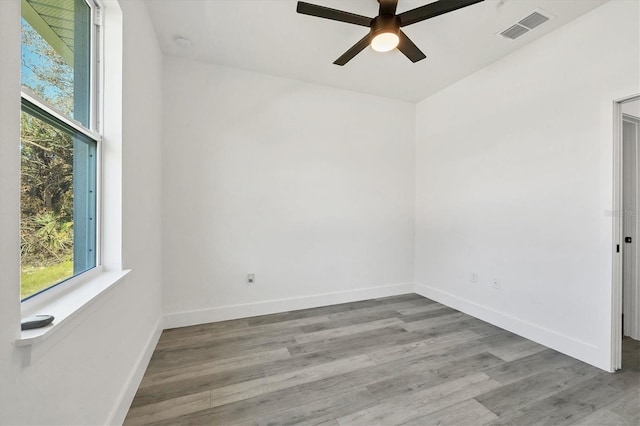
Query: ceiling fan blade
[333,14]
[388,7]
[409,49]
[354,50]
[433,9]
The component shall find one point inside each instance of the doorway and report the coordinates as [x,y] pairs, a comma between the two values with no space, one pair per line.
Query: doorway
[626,308]
[630,153]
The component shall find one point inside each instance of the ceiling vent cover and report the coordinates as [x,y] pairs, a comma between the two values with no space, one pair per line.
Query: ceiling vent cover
[514,32]
[533,20]
[525,25]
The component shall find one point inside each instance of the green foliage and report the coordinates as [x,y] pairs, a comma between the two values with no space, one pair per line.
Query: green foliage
[46,193]
[47,168]
[46,239]
[46,201]
[36,278]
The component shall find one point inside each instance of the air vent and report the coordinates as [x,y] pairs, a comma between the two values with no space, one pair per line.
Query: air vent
[514,32]
[533,20]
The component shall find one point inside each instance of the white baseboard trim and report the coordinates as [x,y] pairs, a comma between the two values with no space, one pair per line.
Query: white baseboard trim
[224,313]
[568,345]
[119,412]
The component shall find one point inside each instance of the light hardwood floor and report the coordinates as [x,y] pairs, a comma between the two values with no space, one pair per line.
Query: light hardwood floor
[399,360]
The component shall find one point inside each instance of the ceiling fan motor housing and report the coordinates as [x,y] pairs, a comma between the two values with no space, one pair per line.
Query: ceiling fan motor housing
[385,24]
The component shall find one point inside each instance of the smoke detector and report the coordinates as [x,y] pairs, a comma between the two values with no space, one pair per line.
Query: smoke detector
[182,41]
[526,24]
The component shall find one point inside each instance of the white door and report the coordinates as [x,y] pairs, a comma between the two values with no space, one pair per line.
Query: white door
[630,252]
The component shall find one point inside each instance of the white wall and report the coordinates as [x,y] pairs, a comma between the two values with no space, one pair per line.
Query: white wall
[84,378]
[308,187]
[514,181]
[9,199]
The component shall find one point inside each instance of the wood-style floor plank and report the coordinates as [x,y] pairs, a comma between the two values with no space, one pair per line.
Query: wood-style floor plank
[389,361]
[409,406]
[469,412]
[624,411]
[318,411]
[565,407]
[170,375]
[534,388]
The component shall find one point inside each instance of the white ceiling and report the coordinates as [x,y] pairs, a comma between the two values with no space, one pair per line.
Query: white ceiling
[268,36]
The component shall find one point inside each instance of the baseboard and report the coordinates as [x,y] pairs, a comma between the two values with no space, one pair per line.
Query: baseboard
[119,413]
[568,345]
[224,313]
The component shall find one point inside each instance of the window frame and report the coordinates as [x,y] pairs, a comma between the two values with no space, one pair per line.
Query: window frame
[94,132]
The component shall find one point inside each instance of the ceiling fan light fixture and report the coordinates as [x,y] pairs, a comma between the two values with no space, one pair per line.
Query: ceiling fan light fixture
[384,42]
[384,30]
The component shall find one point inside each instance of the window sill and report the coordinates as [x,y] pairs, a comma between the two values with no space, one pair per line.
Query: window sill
[69,310]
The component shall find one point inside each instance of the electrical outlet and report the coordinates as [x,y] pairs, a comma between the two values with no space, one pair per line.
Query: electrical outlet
[251,278]
[474,277]
[495,283]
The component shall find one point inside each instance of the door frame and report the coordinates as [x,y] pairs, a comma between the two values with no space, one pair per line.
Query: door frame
[618,237]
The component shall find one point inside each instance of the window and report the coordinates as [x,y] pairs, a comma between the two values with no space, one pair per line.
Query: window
[59,143]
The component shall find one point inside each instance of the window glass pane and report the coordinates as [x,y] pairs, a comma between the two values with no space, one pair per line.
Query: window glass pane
[56,54]
[57,228]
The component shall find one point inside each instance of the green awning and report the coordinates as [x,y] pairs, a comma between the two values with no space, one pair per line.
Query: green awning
[54,21]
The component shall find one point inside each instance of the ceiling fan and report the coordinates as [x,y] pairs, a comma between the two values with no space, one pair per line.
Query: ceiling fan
[384,30]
